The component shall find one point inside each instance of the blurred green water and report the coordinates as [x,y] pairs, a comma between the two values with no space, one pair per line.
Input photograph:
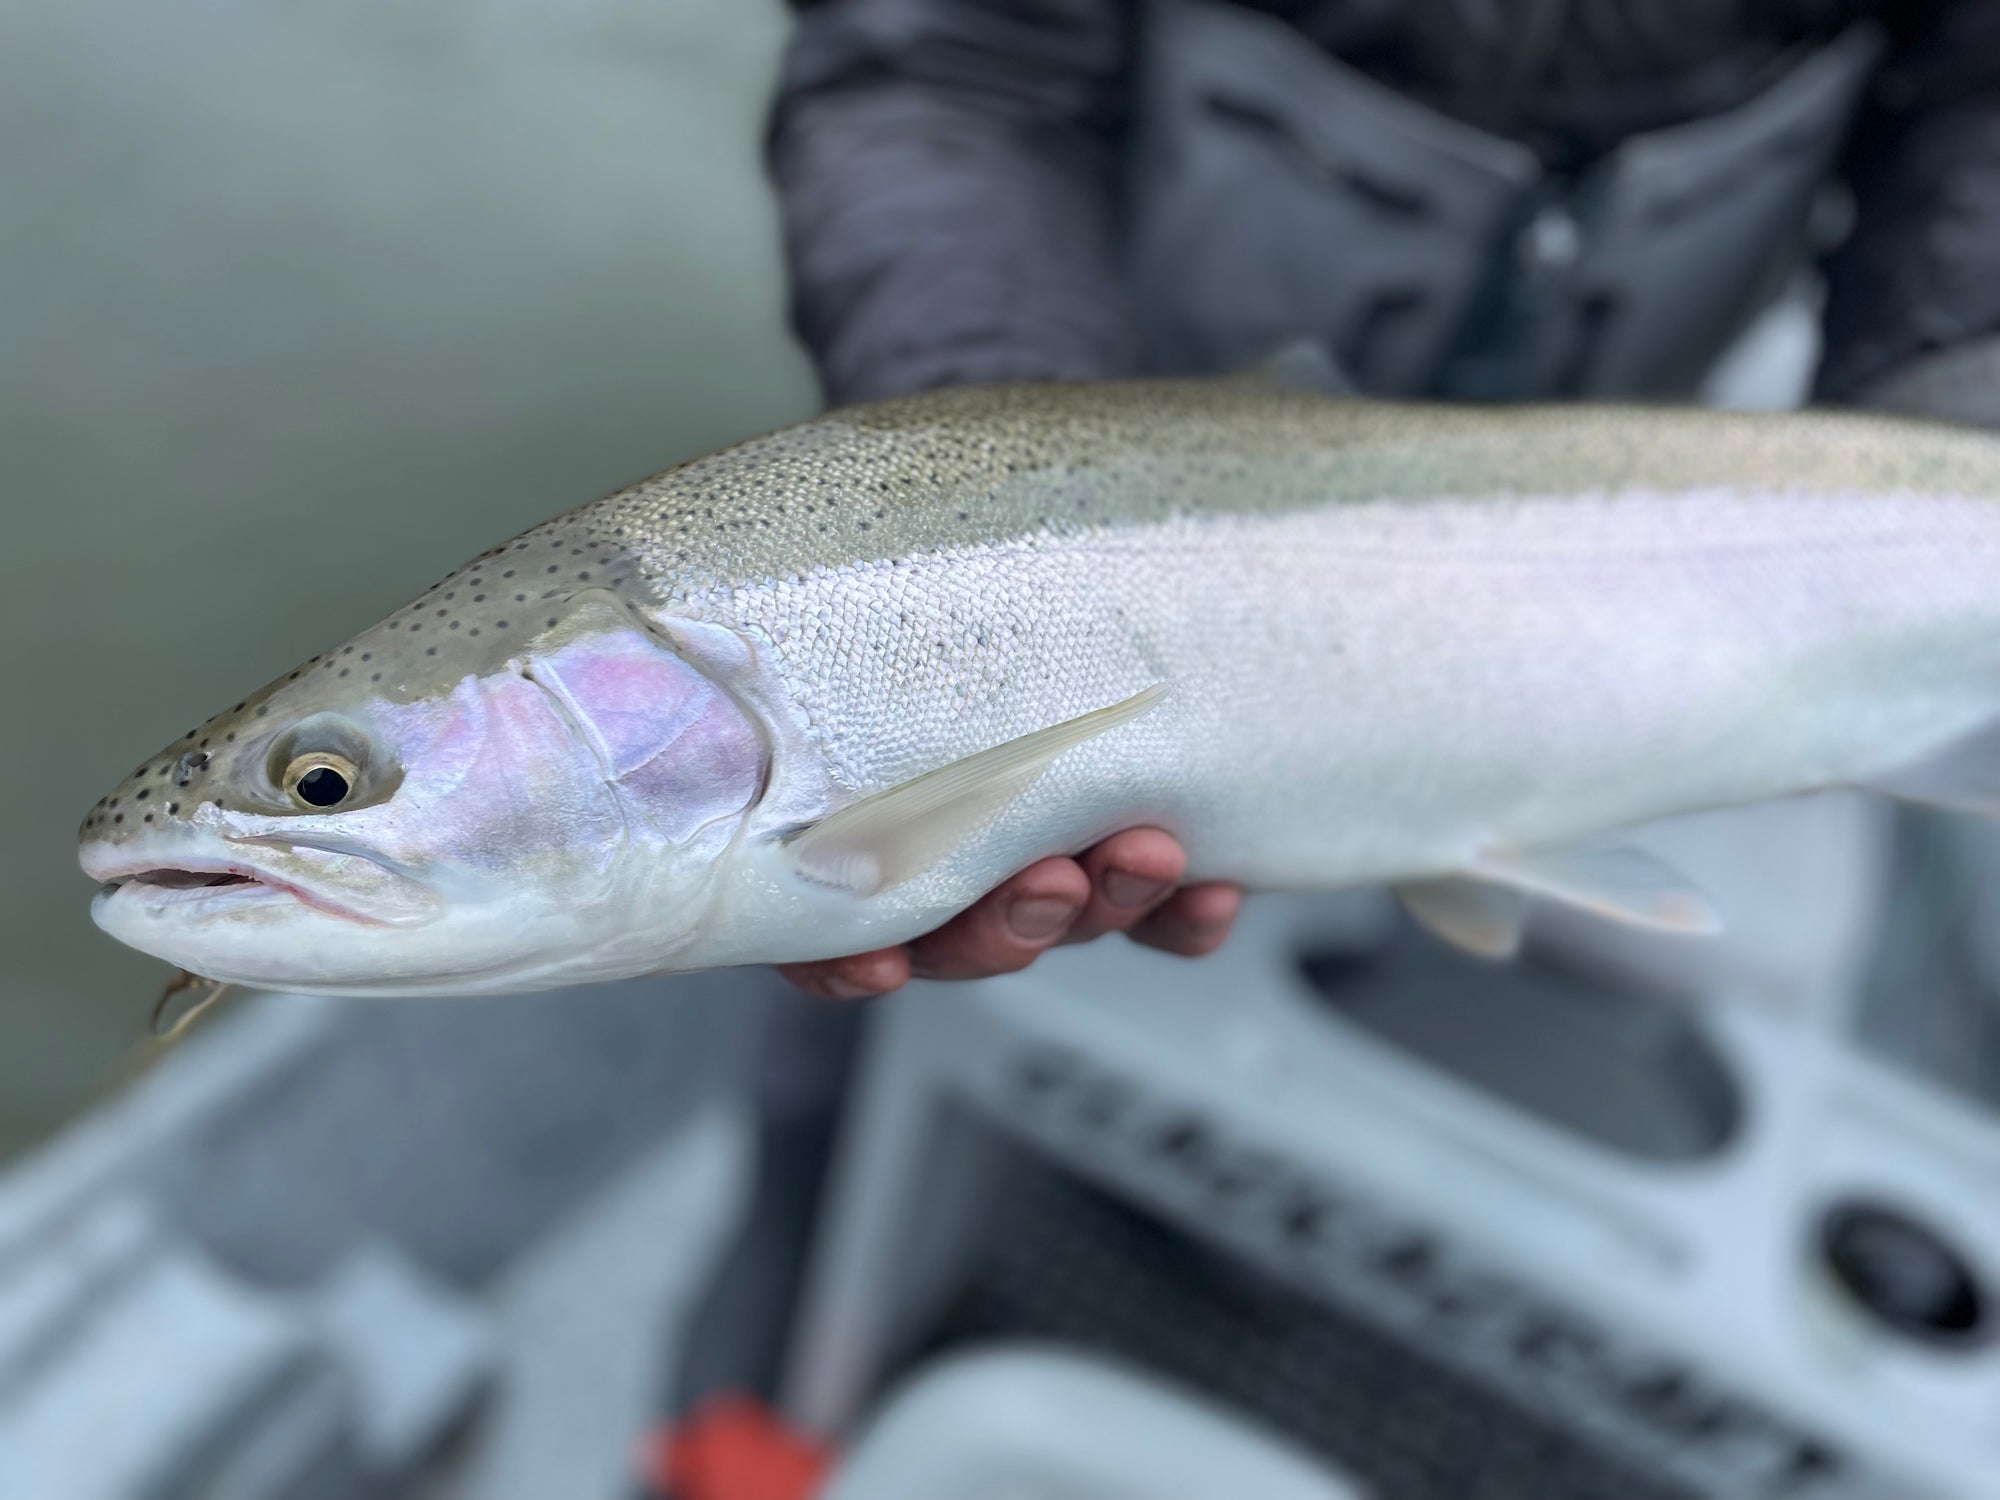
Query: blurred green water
[302,302]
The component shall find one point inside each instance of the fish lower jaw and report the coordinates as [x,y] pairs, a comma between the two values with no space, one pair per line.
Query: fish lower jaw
[185,894]
[249,933]
[182,893]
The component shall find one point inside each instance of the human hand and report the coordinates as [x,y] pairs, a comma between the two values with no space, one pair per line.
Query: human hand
[1129,883]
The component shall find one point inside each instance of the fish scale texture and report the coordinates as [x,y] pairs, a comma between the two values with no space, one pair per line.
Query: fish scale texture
[963,466]
[1360,642]
[1331,659]
[946,570]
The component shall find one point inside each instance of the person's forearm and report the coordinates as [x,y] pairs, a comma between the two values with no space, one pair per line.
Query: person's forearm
[948,194]
[926,252]
[1958,384]
[1914,295]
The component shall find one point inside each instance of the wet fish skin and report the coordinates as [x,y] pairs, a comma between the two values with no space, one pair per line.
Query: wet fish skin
[1369,642]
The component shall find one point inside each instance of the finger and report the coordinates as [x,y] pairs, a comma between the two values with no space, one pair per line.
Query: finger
[855,977]
[1008,927]
[1193,922]
[1130,873]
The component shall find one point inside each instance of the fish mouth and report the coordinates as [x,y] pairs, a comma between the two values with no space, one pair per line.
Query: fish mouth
[203,888]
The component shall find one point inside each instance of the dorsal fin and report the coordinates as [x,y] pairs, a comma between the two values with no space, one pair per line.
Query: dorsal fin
[1304,365]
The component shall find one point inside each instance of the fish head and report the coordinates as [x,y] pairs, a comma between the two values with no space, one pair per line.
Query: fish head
[464,799]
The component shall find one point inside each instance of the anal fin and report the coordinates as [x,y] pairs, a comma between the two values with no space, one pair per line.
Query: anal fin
[1964,775]
[1483,909]
[1622,885]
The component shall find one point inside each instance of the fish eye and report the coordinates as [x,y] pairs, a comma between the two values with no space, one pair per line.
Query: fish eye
[320,779]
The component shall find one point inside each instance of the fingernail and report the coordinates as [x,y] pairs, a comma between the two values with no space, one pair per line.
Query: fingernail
[846,989]
[1040,917]
[1123,888]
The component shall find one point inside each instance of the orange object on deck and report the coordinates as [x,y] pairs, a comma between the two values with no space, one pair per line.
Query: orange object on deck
[735,1448]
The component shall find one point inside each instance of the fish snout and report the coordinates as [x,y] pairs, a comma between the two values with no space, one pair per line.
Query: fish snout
[158,794]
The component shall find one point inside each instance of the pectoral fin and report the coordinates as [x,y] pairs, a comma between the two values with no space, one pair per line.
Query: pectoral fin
[1964,776]
[895,835]
[1484,909]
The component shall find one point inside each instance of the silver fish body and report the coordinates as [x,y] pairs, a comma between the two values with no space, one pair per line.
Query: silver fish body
[758,708]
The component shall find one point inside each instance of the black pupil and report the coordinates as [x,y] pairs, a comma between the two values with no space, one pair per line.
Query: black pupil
[322,786]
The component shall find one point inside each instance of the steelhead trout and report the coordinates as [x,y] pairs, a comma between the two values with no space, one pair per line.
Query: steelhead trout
[816,693]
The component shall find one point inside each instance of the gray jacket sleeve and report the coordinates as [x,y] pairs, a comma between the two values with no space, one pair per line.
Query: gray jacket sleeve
[1913,310]
[947,176]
